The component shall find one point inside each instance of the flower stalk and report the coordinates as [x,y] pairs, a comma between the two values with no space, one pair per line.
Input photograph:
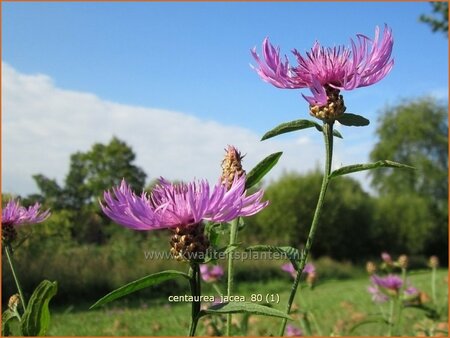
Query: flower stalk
[194,274]
[230,283]
[11,264]
[328,138]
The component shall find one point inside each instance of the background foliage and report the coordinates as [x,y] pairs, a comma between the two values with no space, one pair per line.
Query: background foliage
[89,255]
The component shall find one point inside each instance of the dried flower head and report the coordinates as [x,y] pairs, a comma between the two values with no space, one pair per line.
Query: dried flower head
[327,71]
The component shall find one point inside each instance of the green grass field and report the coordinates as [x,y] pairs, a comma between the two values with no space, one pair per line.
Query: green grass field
[331,307]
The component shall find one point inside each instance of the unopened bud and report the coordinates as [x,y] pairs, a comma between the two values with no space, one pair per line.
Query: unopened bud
[231,166]
[403,261]
[433,262]
[371,268]
[13,302]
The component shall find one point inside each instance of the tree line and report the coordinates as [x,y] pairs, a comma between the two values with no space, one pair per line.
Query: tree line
[408,214]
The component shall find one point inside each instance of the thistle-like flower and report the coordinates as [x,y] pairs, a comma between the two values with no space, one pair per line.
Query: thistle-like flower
[292,331]
[15,215]
[309,269]
[211,274]
[181,207]
[327,71]
[389,286]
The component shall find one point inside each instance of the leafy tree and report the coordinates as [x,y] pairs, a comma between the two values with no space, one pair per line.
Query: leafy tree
[90,173]
[439,23]
[347,215]
[416,133]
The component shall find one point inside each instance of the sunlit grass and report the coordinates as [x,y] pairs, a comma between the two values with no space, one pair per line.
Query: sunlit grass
[333,306]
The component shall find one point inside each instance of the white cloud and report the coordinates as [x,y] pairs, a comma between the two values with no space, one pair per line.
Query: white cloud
[43,125]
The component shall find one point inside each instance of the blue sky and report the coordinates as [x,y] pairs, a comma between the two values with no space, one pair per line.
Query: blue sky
[192,59]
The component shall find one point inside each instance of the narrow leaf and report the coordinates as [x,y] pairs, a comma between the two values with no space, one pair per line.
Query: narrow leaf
[36,319]
[349,119]
[337,134]
[368,166]
[7,316]
[291,253]
[261,169]
[288,127]
[243,307]
[139,284]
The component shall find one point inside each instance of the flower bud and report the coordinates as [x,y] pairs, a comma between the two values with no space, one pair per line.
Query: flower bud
[403,261]
[371,268]
[433,262]
[13,302]
[231,166]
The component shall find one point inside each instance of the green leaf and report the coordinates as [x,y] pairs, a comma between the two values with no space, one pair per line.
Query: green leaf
[349,119]
[243,307]
[290,126]
[291,253]
[7,316]
[337,134]
[139,284]
[368,166]
[261,169]
[36,319]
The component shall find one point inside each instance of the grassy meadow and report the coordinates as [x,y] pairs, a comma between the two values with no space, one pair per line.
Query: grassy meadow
[332,307]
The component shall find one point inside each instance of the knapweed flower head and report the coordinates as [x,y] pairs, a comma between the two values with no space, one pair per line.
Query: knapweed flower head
[326,71]
[181,207]
[211,274]
[180,204]
[309,269]
[15,215]
[383,288]
[292,331]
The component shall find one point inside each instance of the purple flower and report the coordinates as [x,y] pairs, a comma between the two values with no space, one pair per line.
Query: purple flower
[377,295]
[13,214]
[390,285]
[289,268]
[309,268]
[390,282]
[292,331]
[211,274]
[363,63]
[174,205]
[386,258]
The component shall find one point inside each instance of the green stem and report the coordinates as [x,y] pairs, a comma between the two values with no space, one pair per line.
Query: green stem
[233,238]
[433,285]
[399,303]
[328,137]
[391,317]
[194,274]
[11,264]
